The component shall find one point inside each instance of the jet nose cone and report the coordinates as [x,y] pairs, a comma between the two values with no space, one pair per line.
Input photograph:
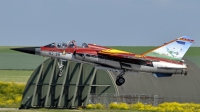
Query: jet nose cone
[30,50]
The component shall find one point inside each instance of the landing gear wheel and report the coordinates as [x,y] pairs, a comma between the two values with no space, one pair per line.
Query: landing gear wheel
[120,81]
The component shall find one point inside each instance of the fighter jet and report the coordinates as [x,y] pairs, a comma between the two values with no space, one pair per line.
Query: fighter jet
[159,61]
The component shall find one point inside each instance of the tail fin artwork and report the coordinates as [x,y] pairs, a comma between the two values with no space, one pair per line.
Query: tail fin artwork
[174,50]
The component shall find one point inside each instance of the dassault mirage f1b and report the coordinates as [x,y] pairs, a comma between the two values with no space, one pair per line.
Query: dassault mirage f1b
[163,61]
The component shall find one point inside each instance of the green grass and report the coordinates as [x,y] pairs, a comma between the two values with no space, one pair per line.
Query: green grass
[6,49]
[19,76]
[10,59]
[193,51]
[18,60]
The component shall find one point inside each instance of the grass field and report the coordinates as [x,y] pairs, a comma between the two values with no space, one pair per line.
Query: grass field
[18,76]
[15,60]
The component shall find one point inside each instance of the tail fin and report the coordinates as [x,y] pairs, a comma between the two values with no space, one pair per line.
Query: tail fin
[174,50]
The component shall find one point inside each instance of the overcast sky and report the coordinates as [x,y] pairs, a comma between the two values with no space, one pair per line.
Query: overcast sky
[103,22]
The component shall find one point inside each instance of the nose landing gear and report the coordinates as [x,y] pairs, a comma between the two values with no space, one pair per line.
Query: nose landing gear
[60,66]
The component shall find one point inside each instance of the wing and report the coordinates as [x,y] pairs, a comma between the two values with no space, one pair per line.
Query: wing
[172,51]
[105,51]
[140,59]
[119,54]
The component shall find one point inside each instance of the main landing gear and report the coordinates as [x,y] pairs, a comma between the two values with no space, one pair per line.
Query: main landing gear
[120,79]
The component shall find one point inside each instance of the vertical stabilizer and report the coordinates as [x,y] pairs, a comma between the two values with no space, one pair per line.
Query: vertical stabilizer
[174,50]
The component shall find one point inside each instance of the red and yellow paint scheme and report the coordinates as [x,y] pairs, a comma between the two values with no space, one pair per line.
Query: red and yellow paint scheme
[164,61]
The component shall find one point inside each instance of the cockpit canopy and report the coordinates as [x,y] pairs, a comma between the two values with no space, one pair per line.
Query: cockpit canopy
[70,44]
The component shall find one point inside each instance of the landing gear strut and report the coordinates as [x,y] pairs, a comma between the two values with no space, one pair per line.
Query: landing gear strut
[60,66]
[120,79]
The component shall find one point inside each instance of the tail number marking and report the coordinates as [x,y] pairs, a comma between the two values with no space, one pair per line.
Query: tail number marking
[54,53]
